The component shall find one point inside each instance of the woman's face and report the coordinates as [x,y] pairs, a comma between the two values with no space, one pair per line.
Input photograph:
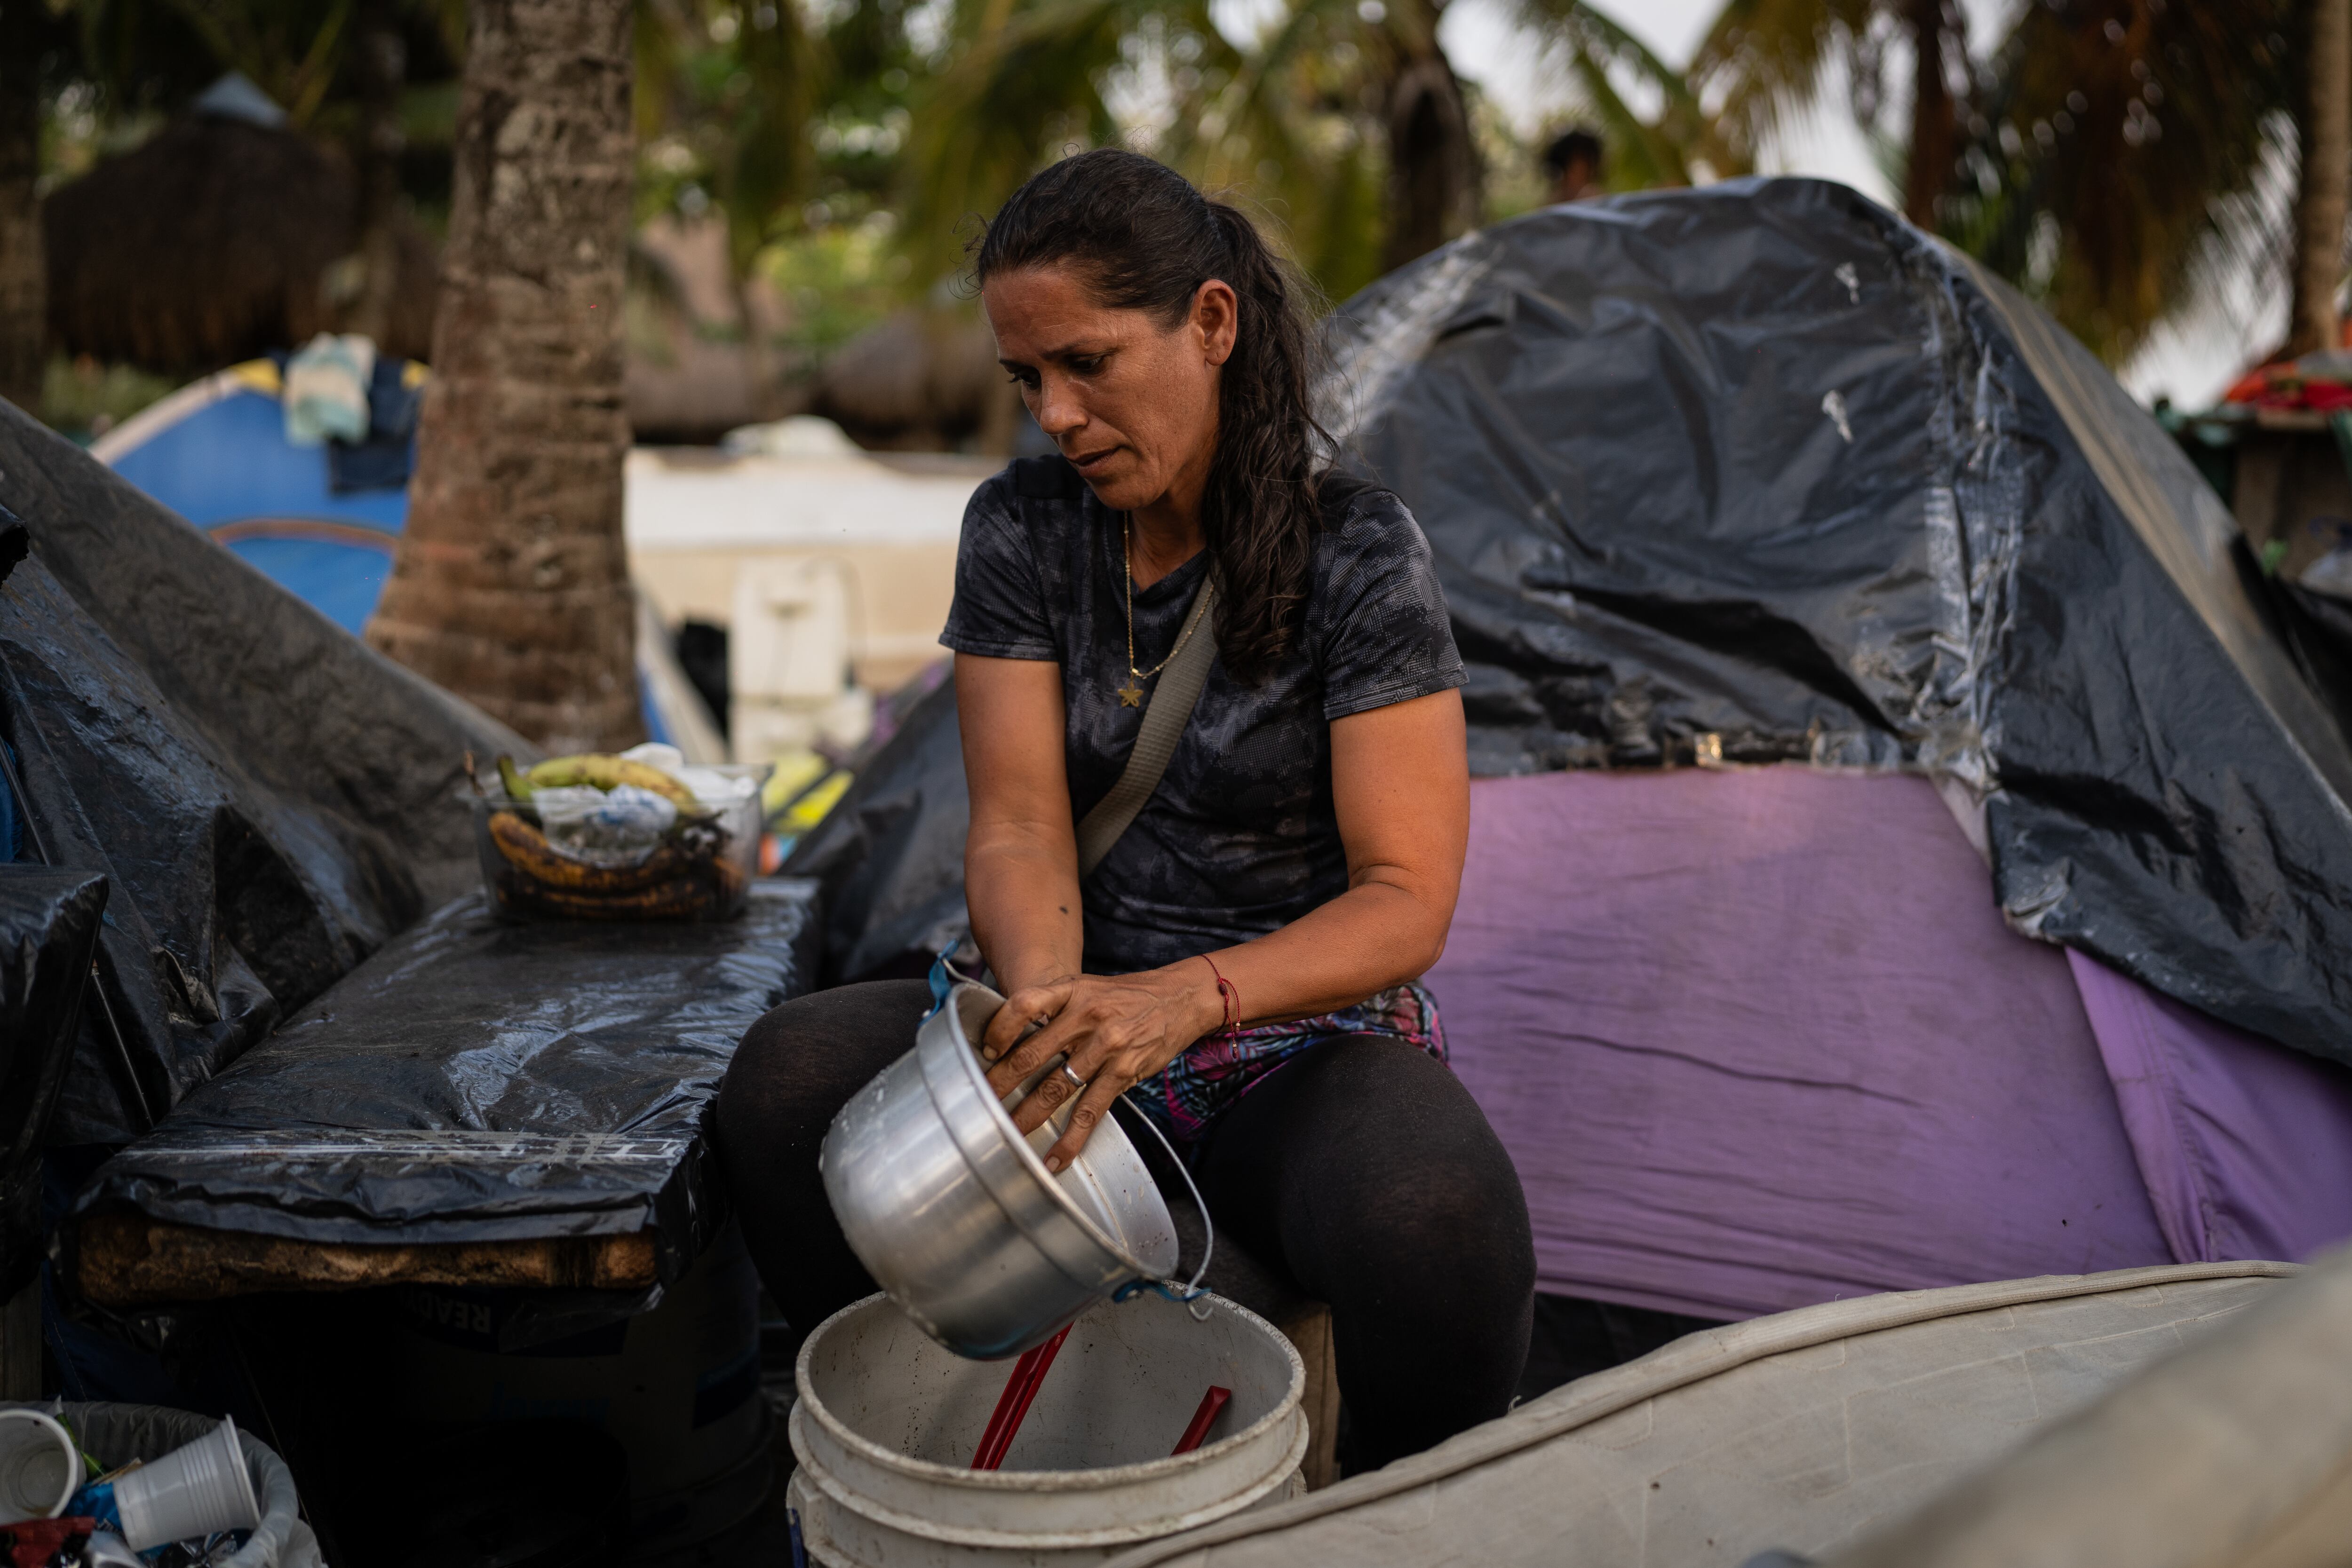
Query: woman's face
[1131,403]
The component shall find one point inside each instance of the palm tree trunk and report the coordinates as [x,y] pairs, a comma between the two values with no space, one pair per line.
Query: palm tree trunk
[1433,175]
[512,584]
[2326,181]
[24,280]
[1934,123]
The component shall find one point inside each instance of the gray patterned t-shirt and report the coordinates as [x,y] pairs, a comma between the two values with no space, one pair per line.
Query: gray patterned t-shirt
[1240,837]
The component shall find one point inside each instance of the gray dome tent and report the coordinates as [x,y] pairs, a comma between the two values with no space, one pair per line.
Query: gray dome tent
[1761,473]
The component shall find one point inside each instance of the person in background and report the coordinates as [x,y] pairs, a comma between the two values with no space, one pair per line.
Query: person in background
[1573,162]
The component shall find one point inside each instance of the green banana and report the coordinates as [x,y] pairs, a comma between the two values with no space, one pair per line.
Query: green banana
[602,770]
[518,787]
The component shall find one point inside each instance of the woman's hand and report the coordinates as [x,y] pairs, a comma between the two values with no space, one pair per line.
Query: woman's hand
[1116,1031]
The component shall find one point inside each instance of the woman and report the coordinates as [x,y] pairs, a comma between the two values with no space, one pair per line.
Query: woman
[1245,956]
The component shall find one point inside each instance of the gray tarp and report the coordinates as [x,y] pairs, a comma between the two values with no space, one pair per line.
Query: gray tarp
[1761,473]
[1803,1431]
[2235,1454]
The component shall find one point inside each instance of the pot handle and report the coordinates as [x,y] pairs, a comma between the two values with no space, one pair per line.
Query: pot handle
[1187,1294]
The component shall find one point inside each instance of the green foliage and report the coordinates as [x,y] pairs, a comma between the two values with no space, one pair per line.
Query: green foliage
[2113,158]
[837,281]
[85,399]
[2109,150]
[724,90]
[1764,60]
[1289,123]
[1674,147]
[1015,90]
[143,56]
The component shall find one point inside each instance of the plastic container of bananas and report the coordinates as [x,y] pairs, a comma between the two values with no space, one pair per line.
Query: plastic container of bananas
[636,835]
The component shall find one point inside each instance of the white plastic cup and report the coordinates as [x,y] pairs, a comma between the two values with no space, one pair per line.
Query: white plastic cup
[40,1468]
[190,1493]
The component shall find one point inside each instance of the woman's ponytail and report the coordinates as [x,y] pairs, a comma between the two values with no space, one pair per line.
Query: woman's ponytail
[1147,240]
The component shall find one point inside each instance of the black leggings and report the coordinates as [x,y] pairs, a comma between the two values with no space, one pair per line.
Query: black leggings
[1362,1170]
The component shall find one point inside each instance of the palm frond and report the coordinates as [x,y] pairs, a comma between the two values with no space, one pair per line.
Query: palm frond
[1017,92]
[1762,61]
[2115,153]
[1657,151]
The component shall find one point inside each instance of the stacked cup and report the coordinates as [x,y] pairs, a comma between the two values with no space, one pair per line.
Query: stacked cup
[40,1467]
[192,1491]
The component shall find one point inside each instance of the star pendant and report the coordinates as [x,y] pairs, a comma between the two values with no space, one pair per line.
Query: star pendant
[1130,695]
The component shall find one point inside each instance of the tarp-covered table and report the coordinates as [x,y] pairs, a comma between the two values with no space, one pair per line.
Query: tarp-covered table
[477,1103]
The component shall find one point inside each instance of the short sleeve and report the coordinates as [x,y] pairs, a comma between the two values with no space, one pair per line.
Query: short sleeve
[1380,623]
[999,611]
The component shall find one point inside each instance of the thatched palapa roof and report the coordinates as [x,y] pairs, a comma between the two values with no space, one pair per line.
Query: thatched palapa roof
[211,243]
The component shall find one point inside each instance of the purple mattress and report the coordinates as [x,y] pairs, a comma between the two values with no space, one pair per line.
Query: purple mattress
[1759,1039]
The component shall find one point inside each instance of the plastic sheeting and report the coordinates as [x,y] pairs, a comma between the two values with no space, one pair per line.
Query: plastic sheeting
[269,799]
[49,931]
[1803,1431]
[481,1082]
[890,855]
[2236,1453]
[1760,473]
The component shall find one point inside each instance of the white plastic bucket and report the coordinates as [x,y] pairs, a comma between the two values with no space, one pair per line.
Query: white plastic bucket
[886,1423]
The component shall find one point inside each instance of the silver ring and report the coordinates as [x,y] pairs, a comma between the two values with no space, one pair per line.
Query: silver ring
[1075,1081]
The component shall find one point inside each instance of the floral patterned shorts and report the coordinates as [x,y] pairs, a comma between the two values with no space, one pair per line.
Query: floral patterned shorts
[1194,1090]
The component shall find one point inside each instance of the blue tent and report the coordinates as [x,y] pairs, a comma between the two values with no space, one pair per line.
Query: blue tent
[215,452]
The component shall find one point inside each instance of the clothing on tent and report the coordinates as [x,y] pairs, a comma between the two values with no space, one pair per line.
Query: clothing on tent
[385,457]
[326,391]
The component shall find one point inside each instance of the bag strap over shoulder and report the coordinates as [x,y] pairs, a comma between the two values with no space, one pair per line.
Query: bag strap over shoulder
[1165,714]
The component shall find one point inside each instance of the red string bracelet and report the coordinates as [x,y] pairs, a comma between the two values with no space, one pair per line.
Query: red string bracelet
[1229,999]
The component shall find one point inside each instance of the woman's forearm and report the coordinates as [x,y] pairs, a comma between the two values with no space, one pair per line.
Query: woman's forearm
[1023,896]
[1377,934]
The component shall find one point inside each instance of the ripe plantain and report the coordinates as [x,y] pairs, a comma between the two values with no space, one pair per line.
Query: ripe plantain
[679,898]
[525,849]
[604,770]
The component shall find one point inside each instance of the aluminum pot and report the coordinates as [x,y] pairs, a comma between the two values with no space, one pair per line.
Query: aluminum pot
[952,1211]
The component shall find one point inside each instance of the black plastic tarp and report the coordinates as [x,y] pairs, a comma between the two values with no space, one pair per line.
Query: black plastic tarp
[890,855]
[477,1081]
[48,933]
[269,799]
[1760,474]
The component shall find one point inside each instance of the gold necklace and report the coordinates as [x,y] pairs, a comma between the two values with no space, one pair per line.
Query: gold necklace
[1131,693]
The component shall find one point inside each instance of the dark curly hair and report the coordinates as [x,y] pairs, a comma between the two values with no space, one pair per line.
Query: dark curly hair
[1144,239]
